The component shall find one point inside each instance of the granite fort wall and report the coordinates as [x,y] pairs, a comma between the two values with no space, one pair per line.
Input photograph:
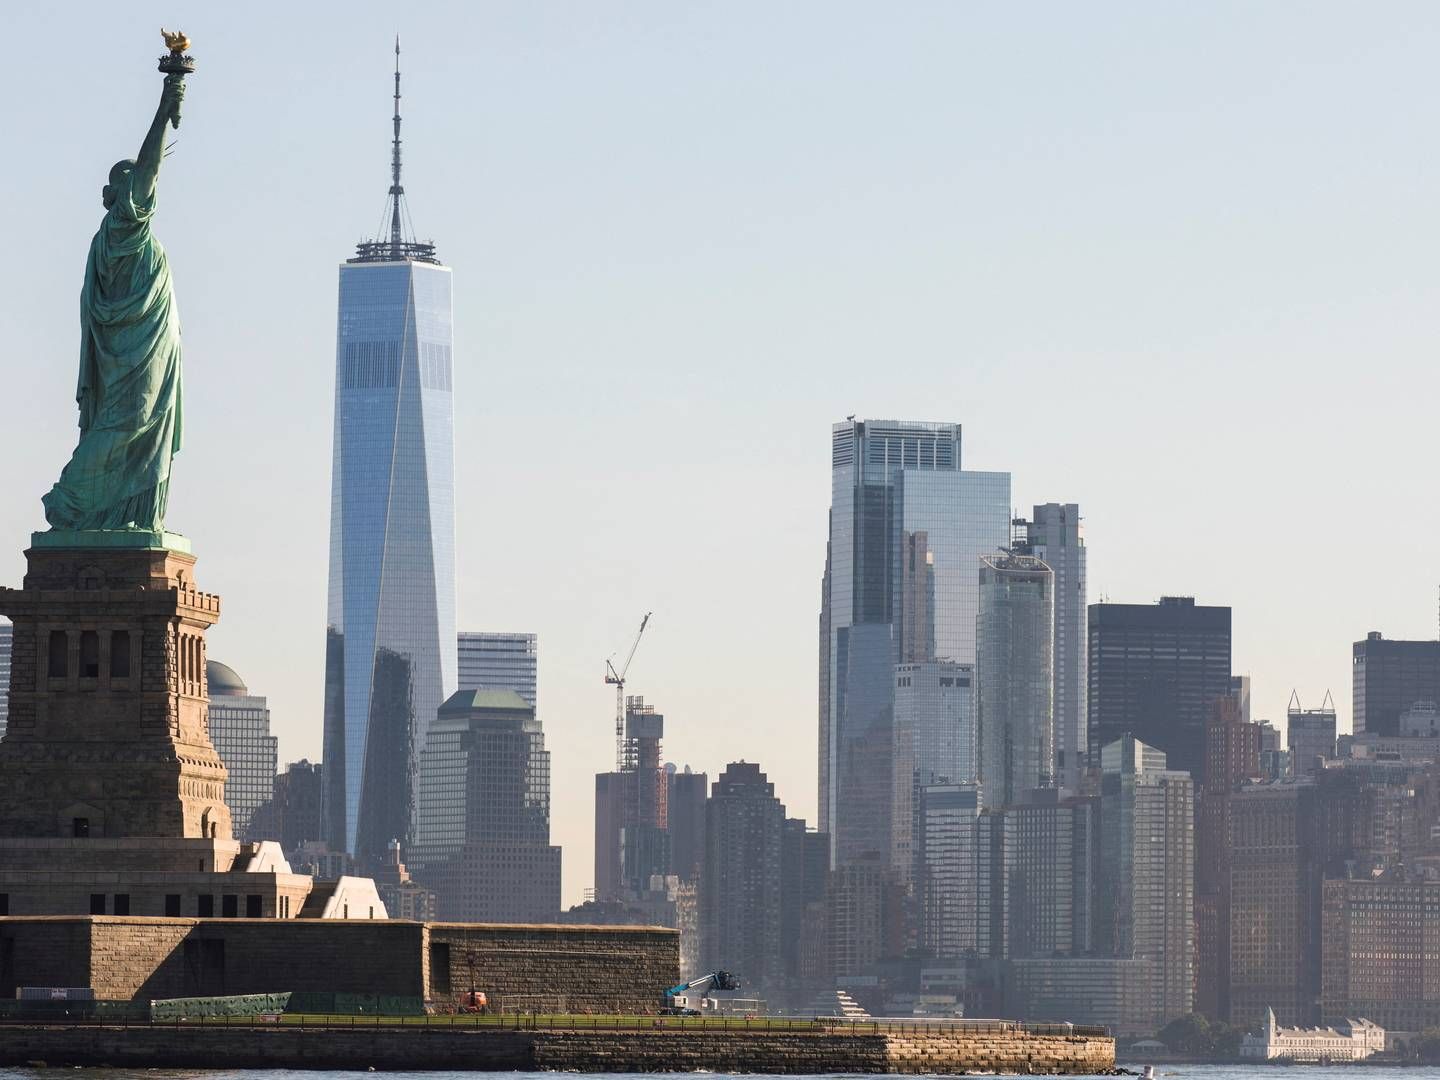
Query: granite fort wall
[634,1051]
[524,968]
[603,969]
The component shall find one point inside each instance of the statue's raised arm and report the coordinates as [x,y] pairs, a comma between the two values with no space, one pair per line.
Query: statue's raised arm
[147,162]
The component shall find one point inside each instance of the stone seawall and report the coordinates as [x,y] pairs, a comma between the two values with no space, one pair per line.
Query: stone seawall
[420,1047]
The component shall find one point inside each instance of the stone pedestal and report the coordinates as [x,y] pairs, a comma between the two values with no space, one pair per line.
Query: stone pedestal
[108,730]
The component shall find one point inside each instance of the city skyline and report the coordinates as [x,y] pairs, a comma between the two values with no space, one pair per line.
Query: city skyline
[515,350]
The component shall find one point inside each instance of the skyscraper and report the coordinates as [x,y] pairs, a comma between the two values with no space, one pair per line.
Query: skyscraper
[1145,910]
[1389,678]
[1155,671]
[390,645]
[934,742]
[295,808]
[1054,536]
[1051,853]
[1233,748]
[6,635]
[1014,642]
[499,662]
[485,812]
[740,904]
[907,529]
[685,820]
[1310,734]
[240,730]
[954,884]
[1274,903]
[804,872]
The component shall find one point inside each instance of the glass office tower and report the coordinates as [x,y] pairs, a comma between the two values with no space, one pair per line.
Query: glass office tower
[901,586]
[240,729]
[490,661]
[1015,669]
[390,651]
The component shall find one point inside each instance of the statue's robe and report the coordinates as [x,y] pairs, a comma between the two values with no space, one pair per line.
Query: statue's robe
[129,390]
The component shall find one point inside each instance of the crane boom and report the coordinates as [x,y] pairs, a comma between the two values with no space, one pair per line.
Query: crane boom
[617,679]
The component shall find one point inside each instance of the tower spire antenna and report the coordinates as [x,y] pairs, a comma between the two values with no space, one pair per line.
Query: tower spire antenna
[396,190]
[400,245]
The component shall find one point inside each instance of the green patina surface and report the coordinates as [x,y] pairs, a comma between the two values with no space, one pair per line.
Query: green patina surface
[130,539]
[129,389]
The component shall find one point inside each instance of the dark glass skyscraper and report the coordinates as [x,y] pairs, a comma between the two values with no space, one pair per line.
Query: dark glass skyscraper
[1390,678]
[390,651]
[901,586]
[1155,671]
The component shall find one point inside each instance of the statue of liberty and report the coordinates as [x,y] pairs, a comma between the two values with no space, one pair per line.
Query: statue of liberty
[130,381]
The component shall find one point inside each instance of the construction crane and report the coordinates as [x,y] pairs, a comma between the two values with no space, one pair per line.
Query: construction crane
[617,679]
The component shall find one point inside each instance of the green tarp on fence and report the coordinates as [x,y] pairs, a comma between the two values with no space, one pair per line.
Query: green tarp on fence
[237,1005]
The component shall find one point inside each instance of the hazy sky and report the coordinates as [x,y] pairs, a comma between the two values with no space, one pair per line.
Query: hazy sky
[1174,262]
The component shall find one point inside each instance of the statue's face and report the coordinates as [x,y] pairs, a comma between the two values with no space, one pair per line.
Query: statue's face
[118,172]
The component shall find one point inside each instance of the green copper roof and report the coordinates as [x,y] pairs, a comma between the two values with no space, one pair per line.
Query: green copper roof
[466,700]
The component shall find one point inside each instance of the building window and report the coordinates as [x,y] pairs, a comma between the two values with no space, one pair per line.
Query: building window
[80,827]
[89,654]
[122,903]
[172,905]
[59,654]
[120,654]
[229,906]
[252,906]
[97,903]
[4,904]
[205,907]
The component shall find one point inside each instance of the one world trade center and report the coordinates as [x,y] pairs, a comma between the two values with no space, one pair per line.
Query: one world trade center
[390,640]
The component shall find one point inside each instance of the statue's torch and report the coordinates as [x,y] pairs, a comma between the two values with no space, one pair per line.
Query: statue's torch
[177,63]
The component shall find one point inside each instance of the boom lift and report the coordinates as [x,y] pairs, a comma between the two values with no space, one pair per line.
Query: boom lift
[707,984]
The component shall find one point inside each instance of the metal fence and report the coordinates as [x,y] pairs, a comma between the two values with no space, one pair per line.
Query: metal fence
[138,1016]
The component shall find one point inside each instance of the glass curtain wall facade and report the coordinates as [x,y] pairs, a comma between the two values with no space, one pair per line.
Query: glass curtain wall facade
[497,661]
[934,743]
[240,730]
[1016,677]
[954,871]
[1390,677]
[1054,535]
[390,651]
[907,529]
[1155,672]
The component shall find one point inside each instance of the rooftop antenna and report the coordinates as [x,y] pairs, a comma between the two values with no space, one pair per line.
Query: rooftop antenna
[396,247]
[396,190]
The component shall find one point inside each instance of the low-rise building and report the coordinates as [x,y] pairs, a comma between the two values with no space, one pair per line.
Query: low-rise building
[1350,1040]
